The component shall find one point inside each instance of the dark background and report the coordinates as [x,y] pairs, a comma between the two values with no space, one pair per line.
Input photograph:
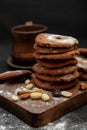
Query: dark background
[65,17]
[68,17]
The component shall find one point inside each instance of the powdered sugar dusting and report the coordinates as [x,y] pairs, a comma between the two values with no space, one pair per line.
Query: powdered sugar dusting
[82,62]
[62,39]
[1,91]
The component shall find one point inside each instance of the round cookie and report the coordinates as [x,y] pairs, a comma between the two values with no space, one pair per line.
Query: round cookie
[83,76]
[53,40]
[58,78]
[66,55]
[37,68]
[42,49]
[83,51]
[57,63]
[12,75]
[53,85]
[82,63]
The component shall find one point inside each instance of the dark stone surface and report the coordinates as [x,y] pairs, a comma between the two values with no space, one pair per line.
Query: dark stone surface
[76,120]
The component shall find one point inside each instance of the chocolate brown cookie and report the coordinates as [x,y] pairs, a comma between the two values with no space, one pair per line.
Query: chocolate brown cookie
[54,85]
[37,68]
[42,49]
[9,75]
[66,55]
[83,51]
[58,78]
[57,63]
[53,40]
[82,63]
[83,76]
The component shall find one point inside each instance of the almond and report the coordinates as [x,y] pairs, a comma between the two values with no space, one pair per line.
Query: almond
[22,92]
[83,85]
[24,96]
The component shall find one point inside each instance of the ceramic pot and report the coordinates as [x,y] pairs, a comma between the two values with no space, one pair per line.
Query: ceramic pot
[23,42]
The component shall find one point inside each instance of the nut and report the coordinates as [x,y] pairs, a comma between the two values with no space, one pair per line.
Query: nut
[35,95]
[45,97]
[15,98]
[35,90]
[66,93]
[83,85]
[22,92]
[24,96]
[27,81]
[29,86]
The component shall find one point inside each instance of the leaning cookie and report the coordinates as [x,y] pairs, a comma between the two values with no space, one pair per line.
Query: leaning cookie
[53,85]
[53,40]
[37,68]
[8,75]
[56,63]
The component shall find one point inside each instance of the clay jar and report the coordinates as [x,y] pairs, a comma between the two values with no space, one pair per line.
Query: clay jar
[23,41]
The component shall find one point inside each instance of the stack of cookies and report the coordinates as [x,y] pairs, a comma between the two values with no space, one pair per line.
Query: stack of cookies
[82,64]
[56,66]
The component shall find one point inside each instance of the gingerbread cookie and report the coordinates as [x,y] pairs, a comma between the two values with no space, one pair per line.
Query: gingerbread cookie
[82,63]
[53,85]
[53,40]
[37,68]
[42,49]
[83,76]
[66,55]
[57,63]
[58,78]
[83,51]
[8,75]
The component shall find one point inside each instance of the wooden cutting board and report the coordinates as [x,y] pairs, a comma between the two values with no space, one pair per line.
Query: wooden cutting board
[37,112]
